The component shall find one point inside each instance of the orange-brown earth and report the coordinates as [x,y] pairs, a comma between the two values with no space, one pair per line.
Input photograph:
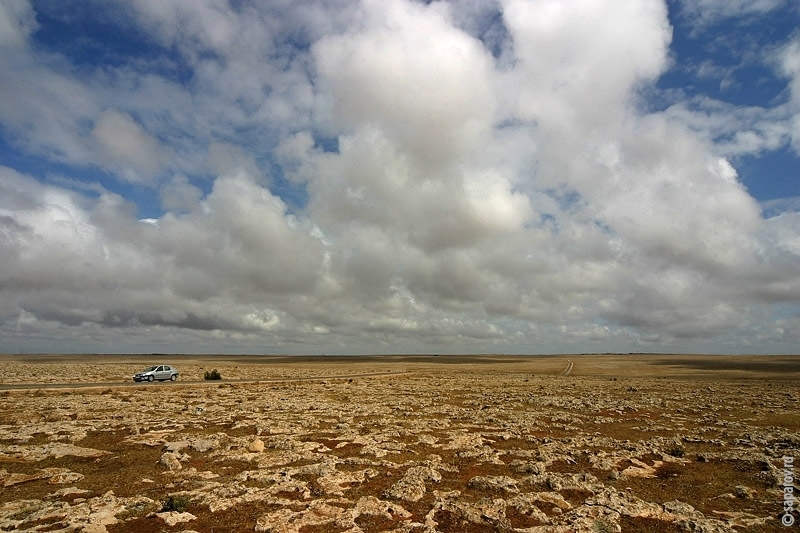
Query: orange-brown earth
[401,443]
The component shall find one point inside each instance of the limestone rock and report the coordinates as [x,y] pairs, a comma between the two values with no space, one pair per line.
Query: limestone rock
[682,509]
[177,446]
[526,467]
[641,469]
[335,483]
[173,518]
[486,513]
[203,445]
[316,514]
[505,456]
[62,478]
[53,450]
[370,505]
[53,475]
[69,491]
[525,505]
[411,487]
[552,498]
[256,446]
[493,484]
[171,461]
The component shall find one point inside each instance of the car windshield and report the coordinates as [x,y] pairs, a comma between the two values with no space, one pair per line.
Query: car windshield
[149,369]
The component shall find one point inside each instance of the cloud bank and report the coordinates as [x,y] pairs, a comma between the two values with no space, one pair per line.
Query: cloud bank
[387,176]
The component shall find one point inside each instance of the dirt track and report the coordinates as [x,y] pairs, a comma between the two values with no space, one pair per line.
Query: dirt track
[183,382]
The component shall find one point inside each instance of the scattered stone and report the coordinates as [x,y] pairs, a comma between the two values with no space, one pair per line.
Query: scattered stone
[508,456]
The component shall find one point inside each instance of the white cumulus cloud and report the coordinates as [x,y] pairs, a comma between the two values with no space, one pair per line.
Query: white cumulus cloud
[388,176]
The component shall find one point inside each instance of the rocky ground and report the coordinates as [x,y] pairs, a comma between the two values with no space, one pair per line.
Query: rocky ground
[404,444]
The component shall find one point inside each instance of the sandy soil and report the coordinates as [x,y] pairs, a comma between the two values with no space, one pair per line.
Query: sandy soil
[398,443]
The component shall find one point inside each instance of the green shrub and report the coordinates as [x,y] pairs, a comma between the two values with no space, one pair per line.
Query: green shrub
[174,503]
[676,450]
[212,375]
[602,527]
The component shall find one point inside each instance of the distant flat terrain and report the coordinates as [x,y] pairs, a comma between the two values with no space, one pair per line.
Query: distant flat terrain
[403,443]
[99,368]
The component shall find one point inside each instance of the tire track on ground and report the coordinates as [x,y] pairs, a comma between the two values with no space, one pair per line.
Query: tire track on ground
[179,383]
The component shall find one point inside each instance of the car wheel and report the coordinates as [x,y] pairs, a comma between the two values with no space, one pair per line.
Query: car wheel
[150,378]
[173,377]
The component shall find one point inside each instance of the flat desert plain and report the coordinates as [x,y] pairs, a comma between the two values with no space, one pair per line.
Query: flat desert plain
[415,444]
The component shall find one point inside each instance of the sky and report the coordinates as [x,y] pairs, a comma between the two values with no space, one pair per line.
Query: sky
[392,176]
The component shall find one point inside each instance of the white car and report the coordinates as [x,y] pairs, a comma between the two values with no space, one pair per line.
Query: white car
[159,372]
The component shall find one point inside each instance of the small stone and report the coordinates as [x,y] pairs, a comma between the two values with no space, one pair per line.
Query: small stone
[172,518]
[170,460]
[257,446]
